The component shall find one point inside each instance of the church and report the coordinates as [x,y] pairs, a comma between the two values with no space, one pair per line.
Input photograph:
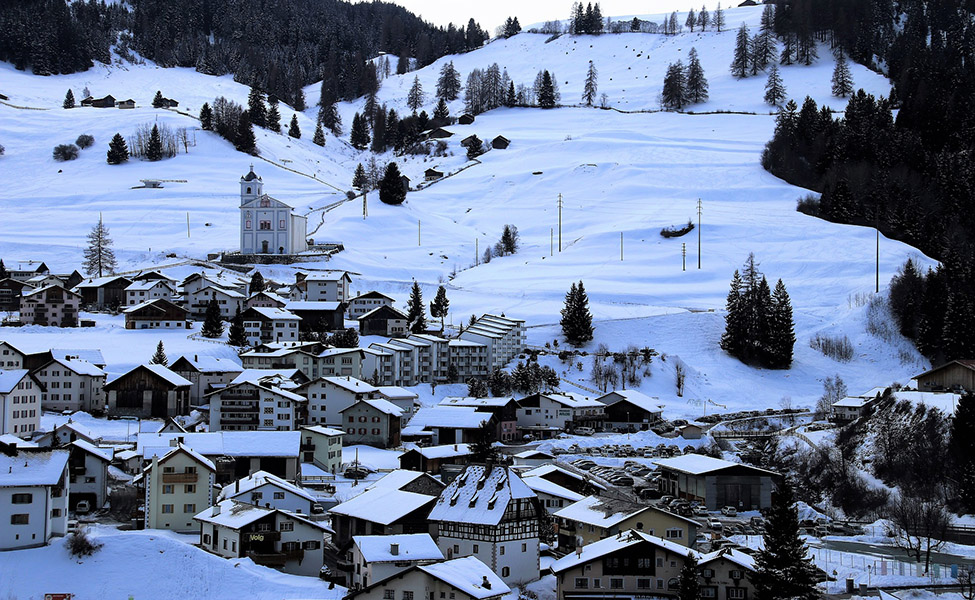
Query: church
[267,225]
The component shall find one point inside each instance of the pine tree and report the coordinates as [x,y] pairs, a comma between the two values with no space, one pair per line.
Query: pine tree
[783,571]
[739,64]
[589,91]
[414,99]
[273,115]
[448,84]
[118,151]
[673,24]
[440,306]
[3,271]
[206,117]
[509,240]
[703,18]
[961,446]
[546,95]
[697,84]
[774,88]
[717,19]
[319,137]
[154,146]
[159,358]
[476,388]
[237,336]
[245,141]
[158,100]
[257,284]
[212,323]
[576,319]
[69,99]
[782,336]
[733,336]
[99,257]
[764,51]
[359,180]
[379,131]
[391,189]
[475,148]
[294,130]
[441,114]
[416,313]
[256,108]
[675,94]
[691,20]
[842,79]
[688,587]
[359,136]
[482,449]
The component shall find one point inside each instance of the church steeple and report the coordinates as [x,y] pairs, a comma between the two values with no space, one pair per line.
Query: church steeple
[251,187]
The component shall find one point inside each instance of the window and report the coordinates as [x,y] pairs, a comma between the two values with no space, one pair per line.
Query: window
[169,469]
[389,594]
[55,513]
[505,571]
[312,545]
[279,495]
[735,574]
[407,595]
[167,509]
[269,422]
[265,225]
[643,584]
[168,489]
[524,547]
[501,550]
[206,538]
[643,563]
[281,224]
[737,593]
[456,549]
[709,592]
[287,526]
[582,583]
[21,519]
[616,583]
[476,548]
[189,508]
[597,583]
[189,489]
[21,498]
[257,495]
[676,533]
[269,410]
[660,562]
[189,469]
[707,573]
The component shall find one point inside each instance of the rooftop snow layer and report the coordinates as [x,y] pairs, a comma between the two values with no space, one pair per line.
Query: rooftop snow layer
[29,468]
[412,546]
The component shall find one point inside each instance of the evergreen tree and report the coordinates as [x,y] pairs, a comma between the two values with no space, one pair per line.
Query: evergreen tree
[509,240]
[257,284]
[691,20]
[717,19]
[739,64]
[961,446]
[118,151]
[783,571]
[319,137]
[688,587]
[576,319]
[416,313]
[774,88]
[448,84]
[236,336]
[99,257]
[675,95]
[158,100]
[69,99]
[475,148]
[703,18]
[782,336]
[510,97]
[378,131]
[3,271]
[206,117]
[293,130]
[359,180]
[476,388]
[256,108]
[673,25]
[441,114]
[589,90]
[245,141]
[212,323]
[697,84]
[159,358]
[546,95]
[440,306]
[391,189]
[154,146]
[359,136]
[482,450]
[734,330]
[842,79]
[273,114]
[764,51]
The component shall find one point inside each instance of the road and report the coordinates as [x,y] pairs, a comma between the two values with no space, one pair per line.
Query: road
[884,552]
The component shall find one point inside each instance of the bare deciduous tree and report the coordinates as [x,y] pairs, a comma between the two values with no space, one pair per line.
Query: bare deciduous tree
[918,526]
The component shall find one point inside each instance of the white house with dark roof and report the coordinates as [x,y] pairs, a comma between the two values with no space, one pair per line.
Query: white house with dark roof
[268,325]
[177,485]
[328,396]
[205,373]
[630,410]
[597,517]
[149,289]
[20,405]
[11,357]
[71,384]
[268,225]
[458,579]
[547,413]
[366,303]
[378,557]
[489,513]
[33,497]
[717,483]
[88,467]
[236,452]
[373,422]
[270,491]
[321,286]
[229,301]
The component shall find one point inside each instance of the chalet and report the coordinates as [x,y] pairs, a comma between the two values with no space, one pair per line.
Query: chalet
[156,314]
[265,300]
[373,422]
[205,373]
[20,405]
[466,119]
[552,496]
[468,359]
[852,408]
[405,399]
[270,491]
[126,104]
[439,134]
[460,578]
[219,279]
[505,411]
[450,424]
[430,459]
[318,317]
[469,140]
[229,301]
[328,396]
[11,291]
[630,410]
[50,305]
[34,489]
[88,466]
[64,434]
[149,289]
[71,384]
[396,504]
[576,481]
[546,414]
[47,279]
[106,102]
[532,458]
[957,375]
[149,391]
[432,174]
[152,275]
[489,513]
[717,483]
[86,354]
[25,269]
[255,404]
[103,293]
[503,336]
[267,325]
[322,447]
[168,103]
[177,485]
[367,302]
[384,320]
[11,357]
[322,286]
[378,557]
[500,143]
[595,518]
[270,537]
[129,461]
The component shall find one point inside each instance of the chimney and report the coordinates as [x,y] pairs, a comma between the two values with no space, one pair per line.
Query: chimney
[578,551]
[196,358]
[485,583]
[215,511]
[394,549]
[237,487]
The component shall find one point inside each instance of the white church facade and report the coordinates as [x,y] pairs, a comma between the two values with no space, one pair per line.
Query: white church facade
[267,225]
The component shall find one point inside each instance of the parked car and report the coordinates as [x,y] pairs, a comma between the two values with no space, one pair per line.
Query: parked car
[584,431]
[757,522]
[729,511]
[83,507]
[665,500]
[700,511]
[622,480]
[715,524]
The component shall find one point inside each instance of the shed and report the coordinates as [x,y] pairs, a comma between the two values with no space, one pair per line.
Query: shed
[130,103]
[106,102]
[500,143]
[432,174]
[406,183]
[466,119]
[471,139]
[438,134]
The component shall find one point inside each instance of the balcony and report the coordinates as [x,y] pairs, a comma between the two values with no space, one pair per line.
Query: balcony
[179,477]
[308,447]
[77,469]
[274,559]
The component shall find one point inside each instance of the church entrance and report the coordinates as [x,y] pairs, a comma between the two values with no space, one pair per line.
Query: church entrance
[264,247]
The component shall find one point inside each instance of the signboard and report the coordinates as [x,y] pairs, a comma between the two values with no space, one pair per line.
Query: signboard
[58,596]
[255,537]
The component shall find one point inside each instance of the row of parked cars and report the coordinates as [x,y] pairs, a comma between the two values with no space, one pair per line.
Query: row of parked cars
[626,450]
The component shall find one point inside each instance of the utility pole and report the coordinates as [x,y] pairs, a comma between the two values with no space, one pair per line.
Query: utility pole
[187,224]
[418,233]
[621,246]
[560,222]
[365,208]
[699,209]
[683,256]
[477,251]
[877,284]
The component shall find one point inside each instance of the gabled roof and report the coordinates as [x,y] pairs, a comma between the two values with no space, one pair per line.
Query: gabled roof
[159,371]
[259,479]
[10,378]
[459,417]
[730,554]
[699,464]
[383,505]
[540,485]
[93,356]
[105,454]
[392,392]
[494,402]
[468,575]
[321,430]
[351,384]
[161,303]
[968,363]
[206,364]
[98,282]
[235,515]
[395,312]
[274,314]
[327,276]
[607,546]
[601,512]
[224,443]
[40,291]
[312,305]
[255,375]
[410,546]
[373,294]
[212,289]
[78,366]
[144,285]
[30,467]
[634,397]
[480,495]
[182,448]
[444,451]
[383,406]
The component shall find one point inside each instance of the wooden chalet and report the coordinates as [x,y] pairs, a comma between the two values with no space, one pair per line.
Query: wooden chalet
[149,391]
[432,174]
[500,143]
[130,103]
[11,292]
[106,102]
[466,119]
[469,140]
[955,375]
[384,320]
[157,314]
[438,134]
[103,292]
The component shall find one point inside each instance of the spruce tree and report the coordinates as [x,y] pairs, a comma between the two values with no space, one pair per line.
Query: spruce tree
[359,180]
[99,257]
[688,587]
[257,284]
[589,90]
[378,144]
[448,84]
[703,18]
[440,306]
[273,115]
[782,336]
[236,336]
[69,99]
[739,64]
[783,571]
[391,189]
[734,329]
[118,151]
[441,114]
[212,323]
[774,88]
[256,108]
[319,137]
[159,358]
[717,19]
[764,51]
[697,84]
[293,130]
[359,136]
[158,100]
[546,94]
[206,117]
[961,446]
[691,20]
[576,319]
[154,145]
[245,141]
[476,388]
[415,97]
[675,95]
[416,313]
[3,271]
[842,79]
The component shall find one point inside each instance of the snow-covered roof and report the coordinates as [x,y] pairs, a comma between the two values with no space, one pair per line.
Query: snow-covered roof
[468,575]
[310,305]
[323,430]
[398,313]
[372,294]
[224,443]
[736,556]
[426,337]
[396,479]
[93,356]
[410,546]
[10,378]
[699,464]
[148,284]
[460,417]
[81,367]
[275,314]
[193,453]
[543,470]
[495,402]
[540,485]
[383,505]
[383,406]
[600,512]
[526,454]
[213,289]
[326,276]
[634,397]
[210,364]
[12,440]
[234,515]
[165,373]
[351,384]
[99,281]
[444,451]
[258,479]
[851,402]
[106,454]
[607,546]
[573,400]
[30,467]
[255,375]
[125,455]
[392,392]
[270,295]
[480,495]
[466,343]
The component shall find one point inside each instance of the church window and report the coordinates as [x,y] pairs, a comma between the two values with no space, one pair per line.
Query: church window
[281,224]
[265,225]
[247,224]
[265,203]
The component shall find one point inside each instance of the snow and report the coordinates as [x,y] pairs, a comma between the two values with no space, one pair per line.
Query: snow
[479,496]
[382,505]
[279,314]
[383,406]
[462,417]
[32,468]
[10,379]
[591,510]
[612,544]
[224,443]
[373,458]
[233,514]
[163,373]
[540,485]
[444,451]
[413,546]
[468,575]
[259,478]
[106,454]
[81,367]
[699,464]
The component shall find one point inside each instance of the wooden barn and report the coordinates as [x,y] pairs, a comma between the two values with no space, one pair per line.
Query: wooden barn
[500,143]
[149,391]
[156,314]
[956,375]
[466,119]
[432,174]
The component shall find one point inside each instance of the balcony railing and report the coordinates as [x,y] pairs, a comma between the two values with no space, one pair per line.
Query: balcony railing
[179,477]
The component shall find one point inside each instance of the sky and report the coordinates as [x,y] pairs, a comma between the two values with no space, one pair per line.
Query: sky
[491,13]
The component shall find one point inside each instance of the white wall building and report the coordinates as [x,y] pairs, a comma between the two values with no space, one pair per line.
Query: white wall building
[71,384]
[20,406]
[149,289]
[270,491]
[328,396]
[267,225]
[378,557]
[33,498]
[504,338]
[178,485]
